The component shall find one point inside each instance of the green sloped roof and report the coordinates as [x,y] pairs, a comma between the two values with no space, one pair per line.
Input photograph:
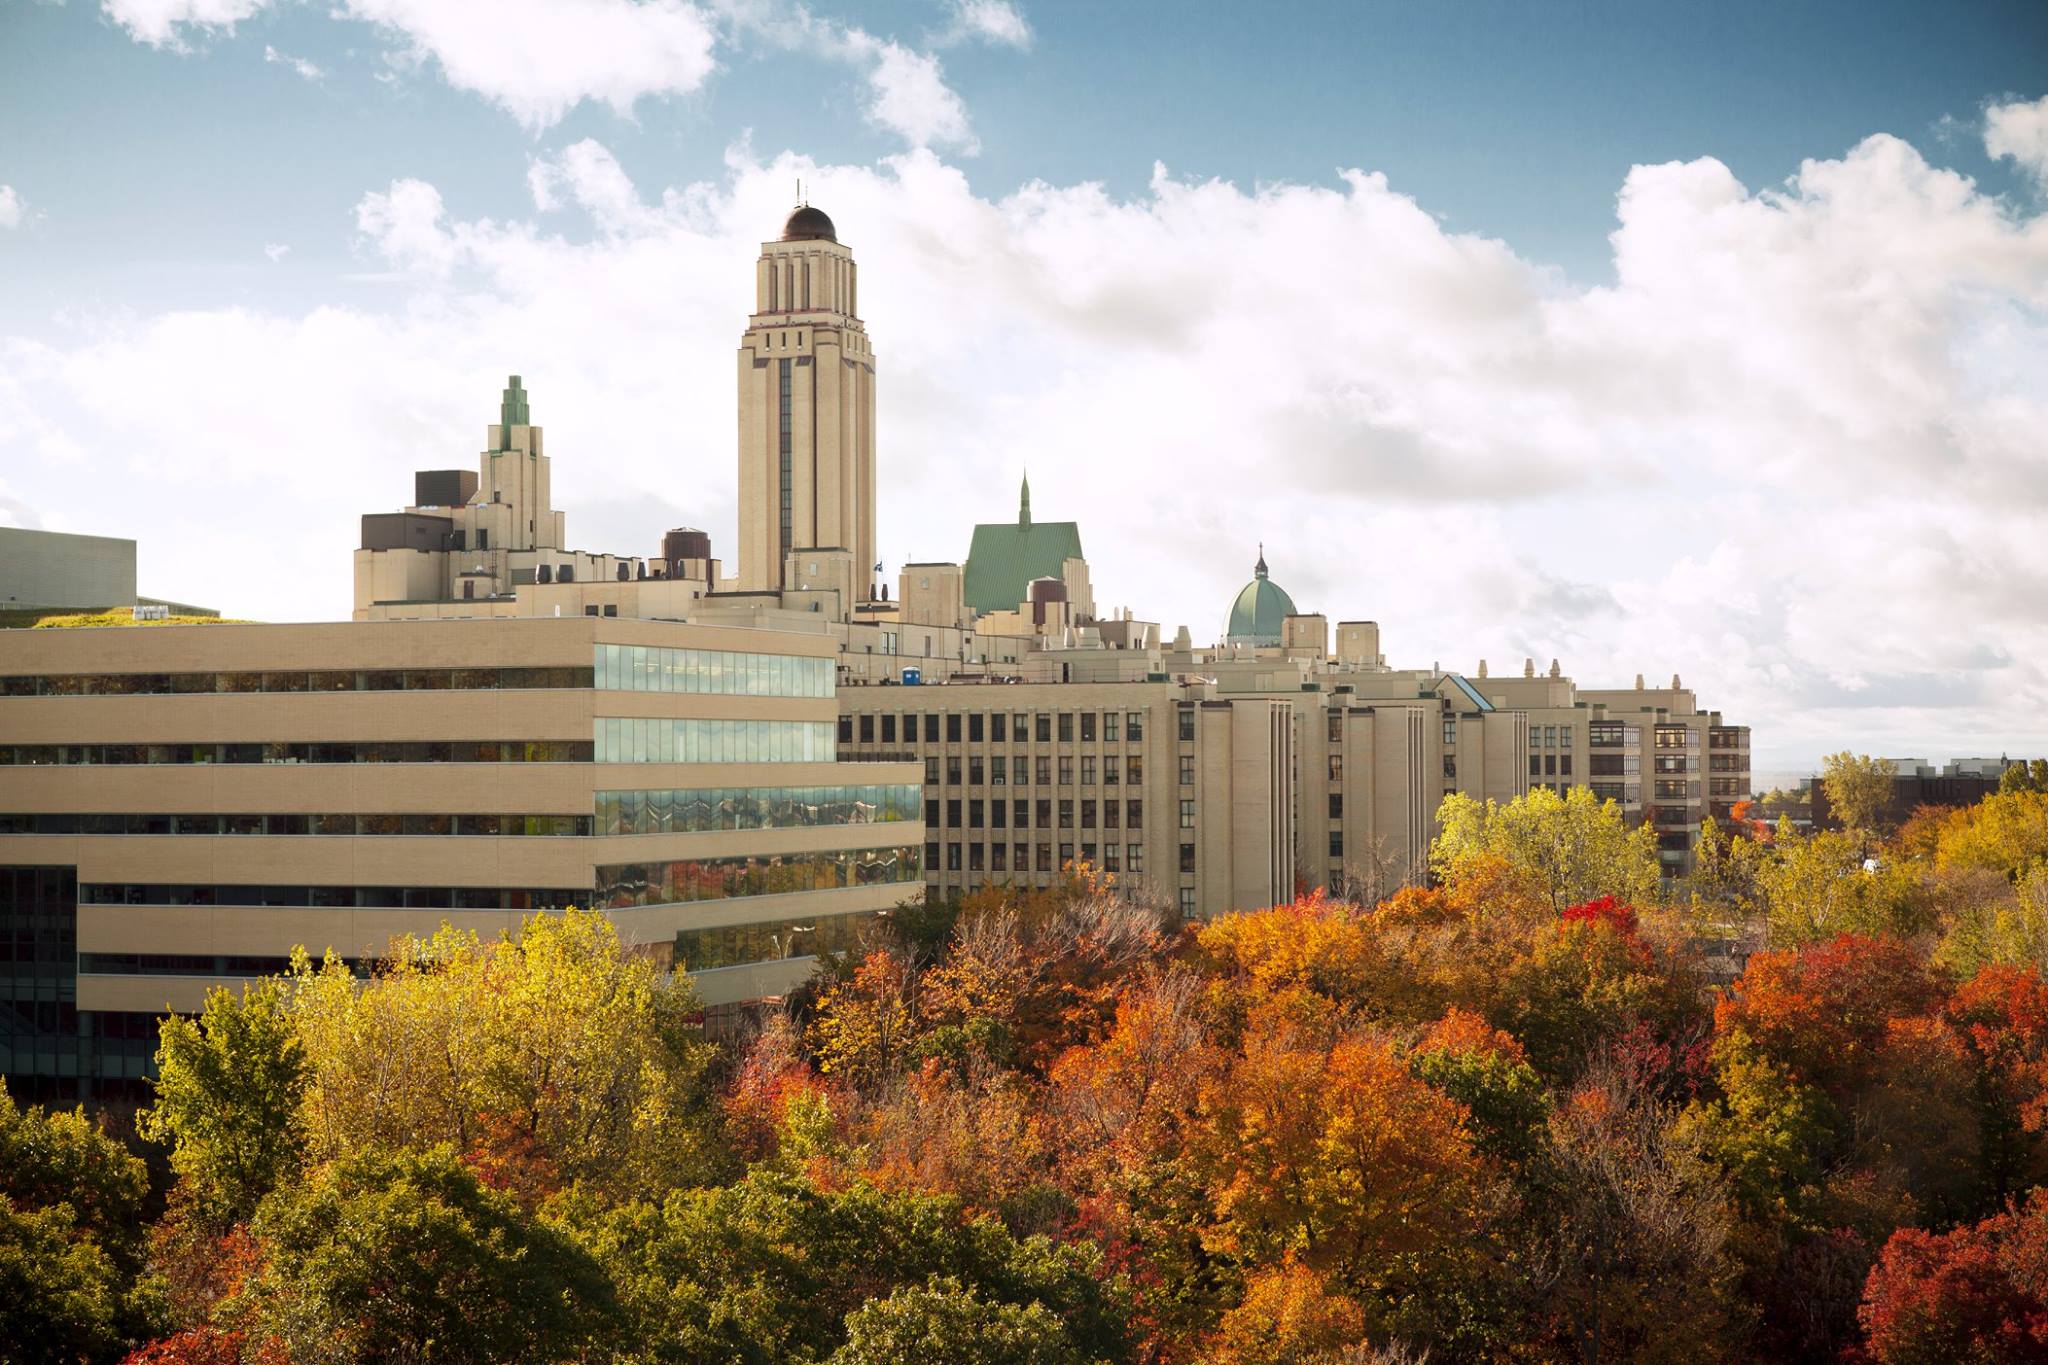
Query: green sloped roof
[1260,610]
[1004,557]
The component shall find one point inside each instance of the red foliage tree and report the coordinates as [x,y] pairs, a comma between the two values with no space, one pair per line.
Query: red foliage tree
[1614,914]
[1977,1294]
[1825,1009]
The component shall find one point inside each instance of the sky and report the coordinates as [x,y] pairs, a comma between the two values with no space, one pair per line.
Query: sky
[1707,339]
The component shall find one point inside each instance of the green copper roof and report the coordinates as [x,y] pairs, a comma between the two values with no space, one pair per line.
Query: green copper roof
[1261,606]
[512,408]
[1002,559]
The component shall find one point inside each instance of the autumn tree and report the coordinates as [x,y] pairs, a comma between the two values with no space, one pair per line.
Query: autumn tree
[1858,788]
[1566,849]
[946,1320]
[229,1090]
[51,1158]
[1977,1295]
[60,1293]
[557,1047]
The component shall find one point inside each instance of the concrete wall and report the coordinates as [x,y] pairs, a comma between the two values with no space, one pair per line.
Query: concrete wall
[55,569]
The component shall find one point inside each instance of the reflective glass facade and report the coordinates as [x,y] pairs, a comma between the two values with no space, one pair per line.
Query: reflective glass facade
[700,950]
[627,885]
[702,809]
[645,739]
[713,672]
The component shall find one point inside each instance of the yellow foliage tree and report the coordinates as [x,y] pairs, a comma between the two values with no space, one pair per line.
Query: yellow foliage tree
[1560,850]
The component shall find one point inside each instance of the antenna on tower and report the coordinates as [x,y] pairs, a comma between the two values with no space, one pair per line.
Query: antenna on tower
[799,192]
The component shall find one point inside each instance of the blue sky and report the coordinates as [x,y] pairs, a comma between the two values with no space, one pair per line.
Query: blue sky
[1670,337]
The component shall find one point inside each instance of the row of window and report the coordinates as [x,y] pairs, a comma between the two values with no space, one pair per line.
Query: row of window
[1019,857]
[1627,793]
[189,964]
[995,727]
[1112,770]
[358,824]
[368,751]
[1616,765]
[1018,814]
[655,739]
[735,945]
[332,897]
[1677,789]
[1613,734]
[715,672]
[703,809]
[706,879]
[1549,765]
[1550,736]
[295,680]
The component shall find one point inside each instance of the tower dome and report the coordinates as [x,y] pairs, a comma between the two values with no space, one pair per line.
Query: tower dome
[1260,609]
[806,224]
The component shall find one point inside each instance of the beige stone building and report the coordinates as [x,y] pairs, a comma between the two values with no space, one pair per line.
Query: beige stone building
[509,723]
[182,806]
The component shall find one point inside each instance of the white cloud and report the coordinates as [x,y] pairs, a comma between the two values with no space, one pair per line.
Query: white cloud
[299,64]
[12,211]
[910,98]
[2020,130]
[168,23]
[538,59]
[276,251]
[1792,452]
[988,21]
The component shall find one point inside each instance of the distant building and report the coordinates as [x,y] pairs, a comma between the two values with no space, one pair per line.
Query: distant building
[56,571]
[1960,782]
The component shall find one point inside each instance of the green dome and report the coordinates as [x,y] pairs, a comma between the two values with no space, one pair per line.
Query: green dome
[1256,615]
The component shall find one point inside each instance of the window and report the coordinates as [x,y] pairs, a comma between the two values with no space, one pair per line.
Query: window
[1112,857]
[1187,858]
[1045,857]
[1066,812]
[1564,765]
[953,814]
[1134,726]
[975,723]
[910,729]
[1336,767]
[952,857]
[1675,737]
[1187,769]
[1336,843]
[1020,857]
[1044,770]
[1066,771]
[1134,769]
[974,815]
[1604,734]
[975,856]
[1066,727]
[1535,765]
[975,774]
[997,725]
[998,813]
[952,727]
[999,775]
[1134,857]
[931,817]
[1187,724]
[1066,855]
[1550,765]
[1042,813]
[1087,770]
[889,728]
[867,729]
[1336,805]
[931,857]
[845,727]
[1112,813]
[1087,727]
[1564,737]
[1112,770]
[1134,814]
[1450,767]
[999,857]
[1021,811]
[1109,727]
[1044,728]
[931,772]
[1333,724]
[1187,900]
[1450,731]
[1187,815]
[1087,814]
[953,770]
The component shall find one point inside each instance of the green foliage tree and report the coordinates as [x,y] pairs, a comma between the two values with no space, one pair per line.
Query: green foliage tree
[945,1320]
[52,1158]
[2024,776]
[228,1093]
[407,1256]
[60,1293]
[1858,788]
[1566,849]
[1817,886]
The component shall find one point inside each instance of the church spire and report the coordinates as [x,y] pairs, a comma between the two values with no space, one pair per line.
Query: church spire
[1024,502]
[1259,571]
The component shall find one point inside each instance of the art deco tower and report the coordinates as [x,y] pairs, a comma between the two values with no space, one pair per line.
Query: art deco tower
[807,409]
